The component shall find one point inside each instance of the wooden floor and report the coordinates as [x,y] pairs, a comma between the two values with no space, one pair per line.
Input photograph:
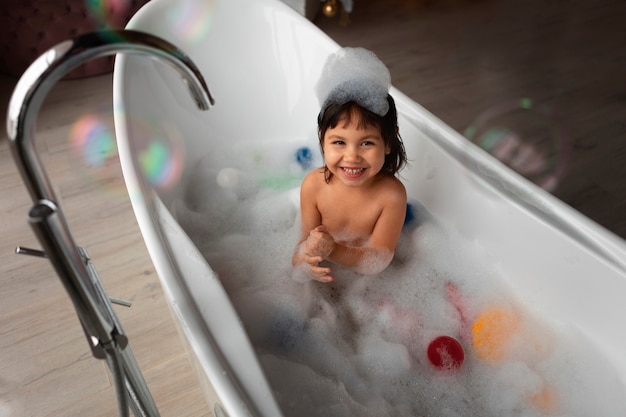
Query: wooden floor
[457,58]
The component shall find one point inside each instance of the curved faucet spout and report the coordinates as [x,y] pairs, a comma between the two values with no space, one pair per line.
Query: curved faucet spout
[47,220]
[40,77]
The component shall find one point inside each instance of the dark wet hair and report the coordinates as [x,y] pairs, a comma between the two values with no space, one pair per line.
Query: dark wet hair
[388,124]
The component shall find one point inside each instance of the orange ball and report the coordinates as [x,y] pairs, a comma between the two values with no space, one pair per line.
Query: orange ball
[546,401]
[492,331]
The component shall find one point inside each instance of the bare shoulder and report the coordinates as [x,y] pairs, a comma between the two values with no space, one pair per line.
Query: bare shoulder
[313,180]
[392,190]
[311,185]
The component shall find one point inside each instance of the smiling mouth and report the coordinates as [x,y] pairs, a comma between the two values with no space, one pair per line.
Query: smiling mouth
[353,172]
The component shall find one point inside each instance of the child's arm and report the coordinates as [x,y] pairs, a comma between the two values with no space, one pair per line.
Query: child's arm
[315,243]
[374,257]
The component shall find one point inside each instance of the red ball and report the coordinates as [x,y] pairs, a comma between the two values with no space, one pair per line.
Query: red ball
[446,353]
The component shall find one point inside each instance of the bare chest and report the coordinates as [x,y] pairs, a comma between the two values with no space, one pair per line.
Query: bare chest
[349,218]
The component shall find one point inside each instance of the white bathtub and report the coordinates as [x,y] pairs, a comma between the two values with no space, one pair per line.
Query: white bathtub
[260,60]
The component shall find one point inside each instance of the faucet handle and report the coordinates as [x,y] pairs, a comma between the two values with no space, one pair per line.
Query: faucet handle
[22,250]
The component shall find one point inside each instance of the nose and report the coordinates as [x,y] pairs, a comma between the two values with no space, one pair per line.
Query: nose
[352,154]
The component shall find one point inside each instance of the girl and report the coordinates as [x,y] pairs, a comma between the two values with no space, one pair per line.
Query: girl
[353,208]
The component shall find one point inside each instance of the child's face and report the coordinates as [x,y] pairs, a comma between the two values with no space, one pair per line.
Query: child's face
[354,155]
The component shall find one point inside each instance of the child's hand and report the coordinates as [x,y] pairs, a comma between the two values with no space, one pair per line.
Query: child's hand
[314,250]
[319,243]
[310,269]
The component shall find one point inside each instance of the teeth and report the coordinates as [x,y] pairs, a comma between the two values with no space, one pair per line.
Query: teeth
[353,171]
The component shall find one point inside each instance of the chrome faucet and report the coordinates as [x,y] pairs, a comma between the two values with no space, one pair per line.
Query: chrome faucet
[93,307]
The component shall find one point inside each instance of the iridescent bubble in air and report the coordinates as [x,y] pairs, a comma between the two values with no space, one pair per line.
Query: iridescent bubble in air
[109,14]
[192,19]
[527,137]
[94,140]
[94,150]
[160,156]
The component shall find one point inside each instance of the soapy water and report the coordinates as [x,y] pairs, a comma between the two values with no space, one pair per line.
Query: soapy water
[527,137]
[359,346]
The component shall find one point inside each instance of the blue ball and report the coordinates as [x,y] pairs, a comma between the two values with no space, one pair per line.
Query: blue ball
[304,156]
[410,214]
[287,333]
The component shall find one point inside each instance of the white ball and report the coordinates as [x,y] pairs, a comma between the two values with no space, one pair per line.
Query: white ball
[228,178]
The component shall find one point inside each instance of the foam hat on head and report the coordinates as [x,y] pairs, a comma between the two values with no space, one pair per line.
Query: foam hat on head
[354,74]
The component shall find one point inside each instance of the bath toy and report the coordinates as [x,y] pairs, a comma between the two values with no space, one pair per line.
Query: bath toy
[304,156]
[410,215]
[492,330]
[228,178]
[502,332]
[547,401]
[281,183]
[287,332]
[446,353]
[454,297]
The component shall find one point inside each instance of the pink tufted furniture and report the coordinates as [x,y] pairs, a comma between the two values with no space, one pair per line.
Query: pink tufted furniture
[29,27]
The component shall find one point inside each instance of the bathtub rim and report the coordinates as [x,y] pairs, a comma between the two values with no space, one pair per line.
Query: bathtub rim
[230,390]
[538,202]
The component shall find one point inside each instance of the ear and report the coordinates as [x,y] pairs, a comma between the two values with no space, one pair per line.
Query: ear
[387,150]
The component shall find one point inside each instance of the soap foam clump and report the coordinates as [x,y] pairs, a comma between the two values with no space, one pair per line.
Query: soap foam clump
[357,346]
[355,74]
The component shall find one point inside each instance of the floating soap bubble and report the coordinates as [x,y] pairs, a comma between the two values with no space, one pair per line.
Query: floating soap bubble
[109,14]
[94,150]
[192,19]
[158,148]
[526,137]
[160,153]
[93,139]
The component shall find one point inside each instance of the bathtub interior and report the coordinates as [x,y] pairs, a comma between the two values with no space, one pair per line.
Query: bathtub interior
[260,60]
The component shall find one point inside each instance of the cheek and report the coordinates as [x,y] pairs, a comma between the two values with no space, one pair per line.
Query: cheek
[382,158]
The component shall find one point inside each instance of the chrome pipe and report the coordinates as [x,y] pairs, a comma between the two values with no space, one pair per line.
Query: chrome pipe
[102,328]
[37,81]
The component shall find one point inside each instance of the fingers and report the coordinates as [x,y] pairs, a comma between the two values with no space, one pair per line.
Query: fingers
[321,274]
[320,232]
[318,273]
[313,260]
[314,250]
[324,279]
[320,242]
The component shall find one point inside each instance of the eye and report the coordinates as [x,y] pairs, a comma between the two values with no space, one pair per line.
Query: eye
[370,143]
[337,142]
